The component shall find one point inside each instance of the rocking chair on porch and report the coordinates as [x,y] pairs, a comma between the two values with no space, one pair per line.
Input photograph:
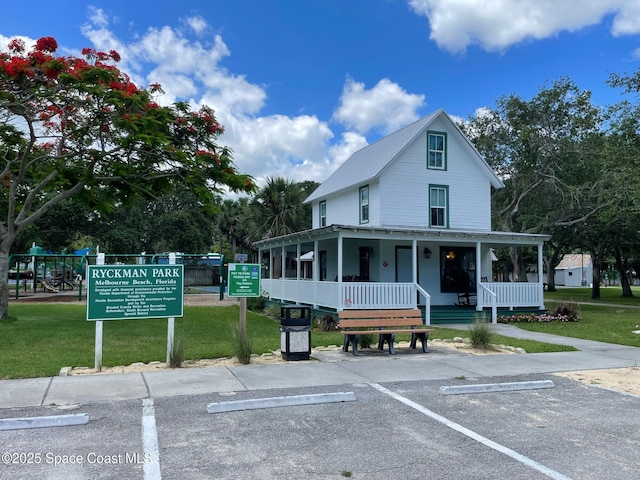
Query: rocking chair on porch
[466,298]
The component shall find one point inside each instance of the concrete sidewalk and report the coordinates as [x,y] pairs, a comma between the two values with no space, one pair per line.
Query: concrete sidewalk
[327,368]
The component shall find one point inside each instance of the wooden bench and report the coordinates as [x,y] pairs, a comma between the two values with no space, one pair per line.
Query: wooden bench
[385,323]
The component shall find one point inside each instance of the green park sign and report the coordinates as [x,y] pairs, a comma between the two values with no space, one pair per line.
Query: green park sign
[123,292]
[244,280]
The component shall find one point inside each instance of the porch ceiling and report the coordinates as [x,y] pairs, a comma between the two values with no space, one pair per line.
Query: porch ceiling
[402,233]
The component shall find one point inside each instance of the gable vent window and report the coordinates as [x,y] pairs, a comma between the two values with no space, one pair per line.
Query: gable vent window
[437,150]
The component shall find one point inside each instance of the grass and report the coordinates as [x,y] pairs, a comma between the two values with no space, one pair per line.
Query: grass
[608,295]
[600,323]
[41,339]
[44,338]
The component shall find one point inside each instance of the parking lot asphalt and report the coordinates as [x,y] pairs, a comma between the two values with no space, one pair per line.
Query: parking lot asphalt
[156,425]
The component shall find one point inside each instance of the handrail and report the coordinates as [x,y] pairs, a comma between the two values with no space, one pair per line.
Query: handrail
[494,303]
[427,307]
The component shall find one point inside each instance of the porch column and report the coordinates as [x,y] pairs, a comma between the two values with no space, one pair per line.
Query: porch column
[315,273]
[283,264]
[270,271]
[299,262]
[414,261]
[339,300]
[479,304]
[414,274]
[540,277]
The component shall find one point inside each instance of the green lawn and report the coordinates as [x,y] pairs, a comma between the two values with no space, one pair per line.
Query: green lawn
[40,339]
[611,318]
[608,295]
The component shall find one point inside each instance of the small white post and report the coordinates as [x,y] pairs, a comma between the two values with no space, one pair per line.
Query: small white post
[98,348]
[171,320]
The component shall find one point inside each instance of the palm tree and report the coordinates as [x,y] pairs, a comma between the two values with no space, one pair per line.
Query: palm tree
[278,209]
[232,223]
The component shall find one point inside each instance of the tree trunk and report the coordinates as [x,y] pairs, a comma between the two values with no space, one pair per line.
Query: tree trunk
[596,257]
[552,261]
[519,268]
[551,273]
[4,285]
[621,265]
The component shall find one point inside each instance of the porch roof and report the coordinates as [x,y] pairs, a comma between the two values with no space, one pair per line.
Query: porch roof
[403,233]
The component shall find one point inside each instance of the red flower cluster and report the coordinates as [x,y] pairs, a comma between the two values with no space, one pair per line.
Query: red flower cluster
[46,44]
[41,61]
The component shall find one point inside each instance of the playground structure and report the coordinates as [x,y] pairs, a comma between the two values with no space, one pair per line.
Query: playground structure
[41,272]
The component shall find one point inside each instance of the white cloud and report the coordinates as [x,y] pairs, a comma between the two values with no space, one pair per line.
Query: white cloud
[386,107]
[351,142]
[297,147]
[198,24]
[495,25]
[278,145]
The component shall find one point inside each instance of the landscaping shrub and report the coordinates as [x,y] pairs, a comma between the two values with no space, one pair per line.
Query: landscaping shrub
[480,334]
[176,355]
[255,304]
[563,312]
[366,340]
[567,312]
[272,311]
[327,323]
[242,347]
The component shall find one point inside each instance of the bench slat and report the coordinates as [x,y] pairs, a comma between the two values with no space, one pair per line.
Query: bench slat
[376,332]
[379,313]
[380,322]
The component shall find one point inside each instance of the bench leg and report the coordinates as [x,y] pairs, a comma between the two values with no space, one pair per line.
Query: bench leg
[389,338]
[353,340]
[423,338]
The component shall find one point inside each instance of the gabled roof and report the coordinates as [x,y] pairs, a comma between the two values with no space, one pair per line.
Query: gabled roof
[574,260]
[368,162]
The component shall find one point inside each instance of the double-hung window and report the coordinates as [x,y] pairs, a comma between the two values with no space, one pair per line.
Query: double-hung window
[364,204]
[323,213]
[437,150]
[438,206]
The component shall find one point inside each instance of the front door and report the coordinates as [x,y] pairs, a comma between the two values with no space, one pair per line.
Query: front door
[404,267]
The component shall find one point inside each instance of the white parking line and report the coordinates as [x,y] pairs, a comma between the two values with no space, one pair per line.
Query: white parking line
[150,441]
[473,435]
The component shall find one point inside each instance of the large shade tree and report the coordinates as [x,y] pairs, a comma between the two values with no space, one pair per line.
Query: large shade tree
[541,148]
[79,127]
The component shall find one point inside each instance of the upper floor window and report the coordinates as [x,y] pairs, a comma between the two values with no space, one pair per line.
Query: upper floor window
[438,206]
[323,213]
[437,150]
[364,204]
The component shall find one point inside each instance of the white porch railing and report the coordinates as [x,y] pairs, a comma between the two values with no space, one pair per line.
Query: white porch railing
[358,295]
[354,295]
[511,295]
[380,295]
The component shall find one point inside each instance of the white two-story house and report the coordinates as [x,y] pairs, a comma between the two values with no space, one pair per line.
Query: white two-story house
[402,223]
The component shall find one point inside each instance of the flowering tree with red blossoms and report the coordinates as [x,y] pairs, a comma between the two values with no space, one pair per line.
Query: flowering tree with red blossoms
[80,127]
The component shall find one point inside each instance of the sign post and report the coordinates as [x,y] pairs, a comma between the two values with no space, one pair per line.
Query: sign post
[244,281]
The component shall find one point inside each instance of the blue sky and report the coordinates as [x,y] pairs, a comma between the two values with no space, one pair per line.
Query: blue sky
[301,84]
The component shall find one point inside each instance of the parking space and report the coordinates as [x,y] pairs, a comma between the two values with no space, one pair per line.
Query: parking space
[108,447]
[404,430]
